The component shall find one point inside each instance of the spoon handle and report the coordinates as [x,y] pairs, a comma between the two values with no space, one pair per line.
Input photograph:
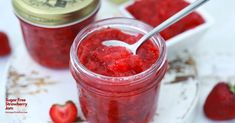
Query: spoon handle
[171,20]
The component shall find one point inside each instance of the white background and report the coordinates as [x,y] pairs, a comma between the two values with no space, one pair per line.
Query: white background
[215,53]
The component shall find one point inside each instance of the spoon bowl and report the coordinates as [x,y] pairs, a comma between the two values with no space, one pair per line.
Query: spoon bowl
[114,43]
[118,43]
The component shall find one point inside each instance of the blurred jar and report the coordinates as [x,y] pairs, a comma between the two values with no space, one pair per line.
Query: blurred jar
[50,26]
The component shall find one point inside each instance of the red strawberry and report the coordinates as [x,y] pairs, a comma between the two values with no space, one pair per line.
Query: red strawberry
[220,104]
[64,113]
[4,44]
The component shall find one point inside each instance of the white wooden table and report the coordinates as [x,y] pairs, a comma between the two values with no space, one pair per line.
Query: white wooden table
[215,53]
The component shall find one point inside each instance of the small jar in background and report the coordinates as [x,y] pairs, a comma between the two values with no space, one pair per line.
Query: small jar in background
[50,26]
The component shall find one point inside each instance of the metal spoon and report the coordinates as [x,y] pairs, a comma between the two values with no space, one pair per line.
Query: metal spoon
[133,47]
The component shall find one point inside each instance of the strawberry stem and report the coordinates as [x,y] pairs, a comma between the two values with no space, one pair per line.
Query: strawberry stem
[232,87]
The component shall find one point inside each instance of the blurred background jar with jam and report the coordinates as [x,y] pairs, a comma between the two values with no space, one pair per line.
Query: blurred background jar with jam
[50,26]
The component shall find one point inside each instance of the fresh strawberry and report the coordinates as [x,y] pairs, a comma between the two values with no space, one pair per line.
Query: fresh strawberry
[64,113]
[4,44]
[220,104]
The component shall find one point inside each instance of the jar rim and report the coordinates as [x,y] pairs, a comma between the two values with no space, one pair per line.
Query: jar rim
[159,63]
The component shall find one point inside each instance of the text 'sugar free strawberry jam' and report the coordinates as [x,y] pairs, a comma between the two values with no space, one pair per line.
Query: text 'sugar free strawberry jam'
[50,26]
[116,86]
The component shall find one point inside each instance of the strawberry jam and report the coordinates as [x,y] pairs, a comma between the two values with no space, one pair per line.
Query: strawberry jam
[114,85]
[115,61]
[154,12]
[50,46]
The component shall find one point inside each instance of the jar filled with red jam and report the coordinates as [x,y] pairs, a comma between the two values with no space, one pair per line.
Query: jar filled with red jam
[116,86]
[50,26]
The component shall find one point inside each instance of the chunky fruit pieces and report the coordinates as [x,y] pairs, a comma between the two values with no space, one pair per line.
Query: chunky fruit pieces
[116,61]
[4,44]
[63,113]
[220,104]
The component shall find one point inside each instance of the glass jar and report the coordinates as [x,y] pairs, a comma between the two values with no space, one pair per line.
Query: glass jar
[50,26]
[131,99]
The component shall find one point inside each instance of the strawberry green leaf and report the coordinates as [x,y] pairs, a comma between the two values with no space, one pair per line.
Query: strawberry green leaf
[232,88]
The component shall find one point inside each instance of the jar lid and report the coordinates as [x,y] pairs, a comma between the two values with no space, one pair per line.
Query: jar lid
[54,12]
